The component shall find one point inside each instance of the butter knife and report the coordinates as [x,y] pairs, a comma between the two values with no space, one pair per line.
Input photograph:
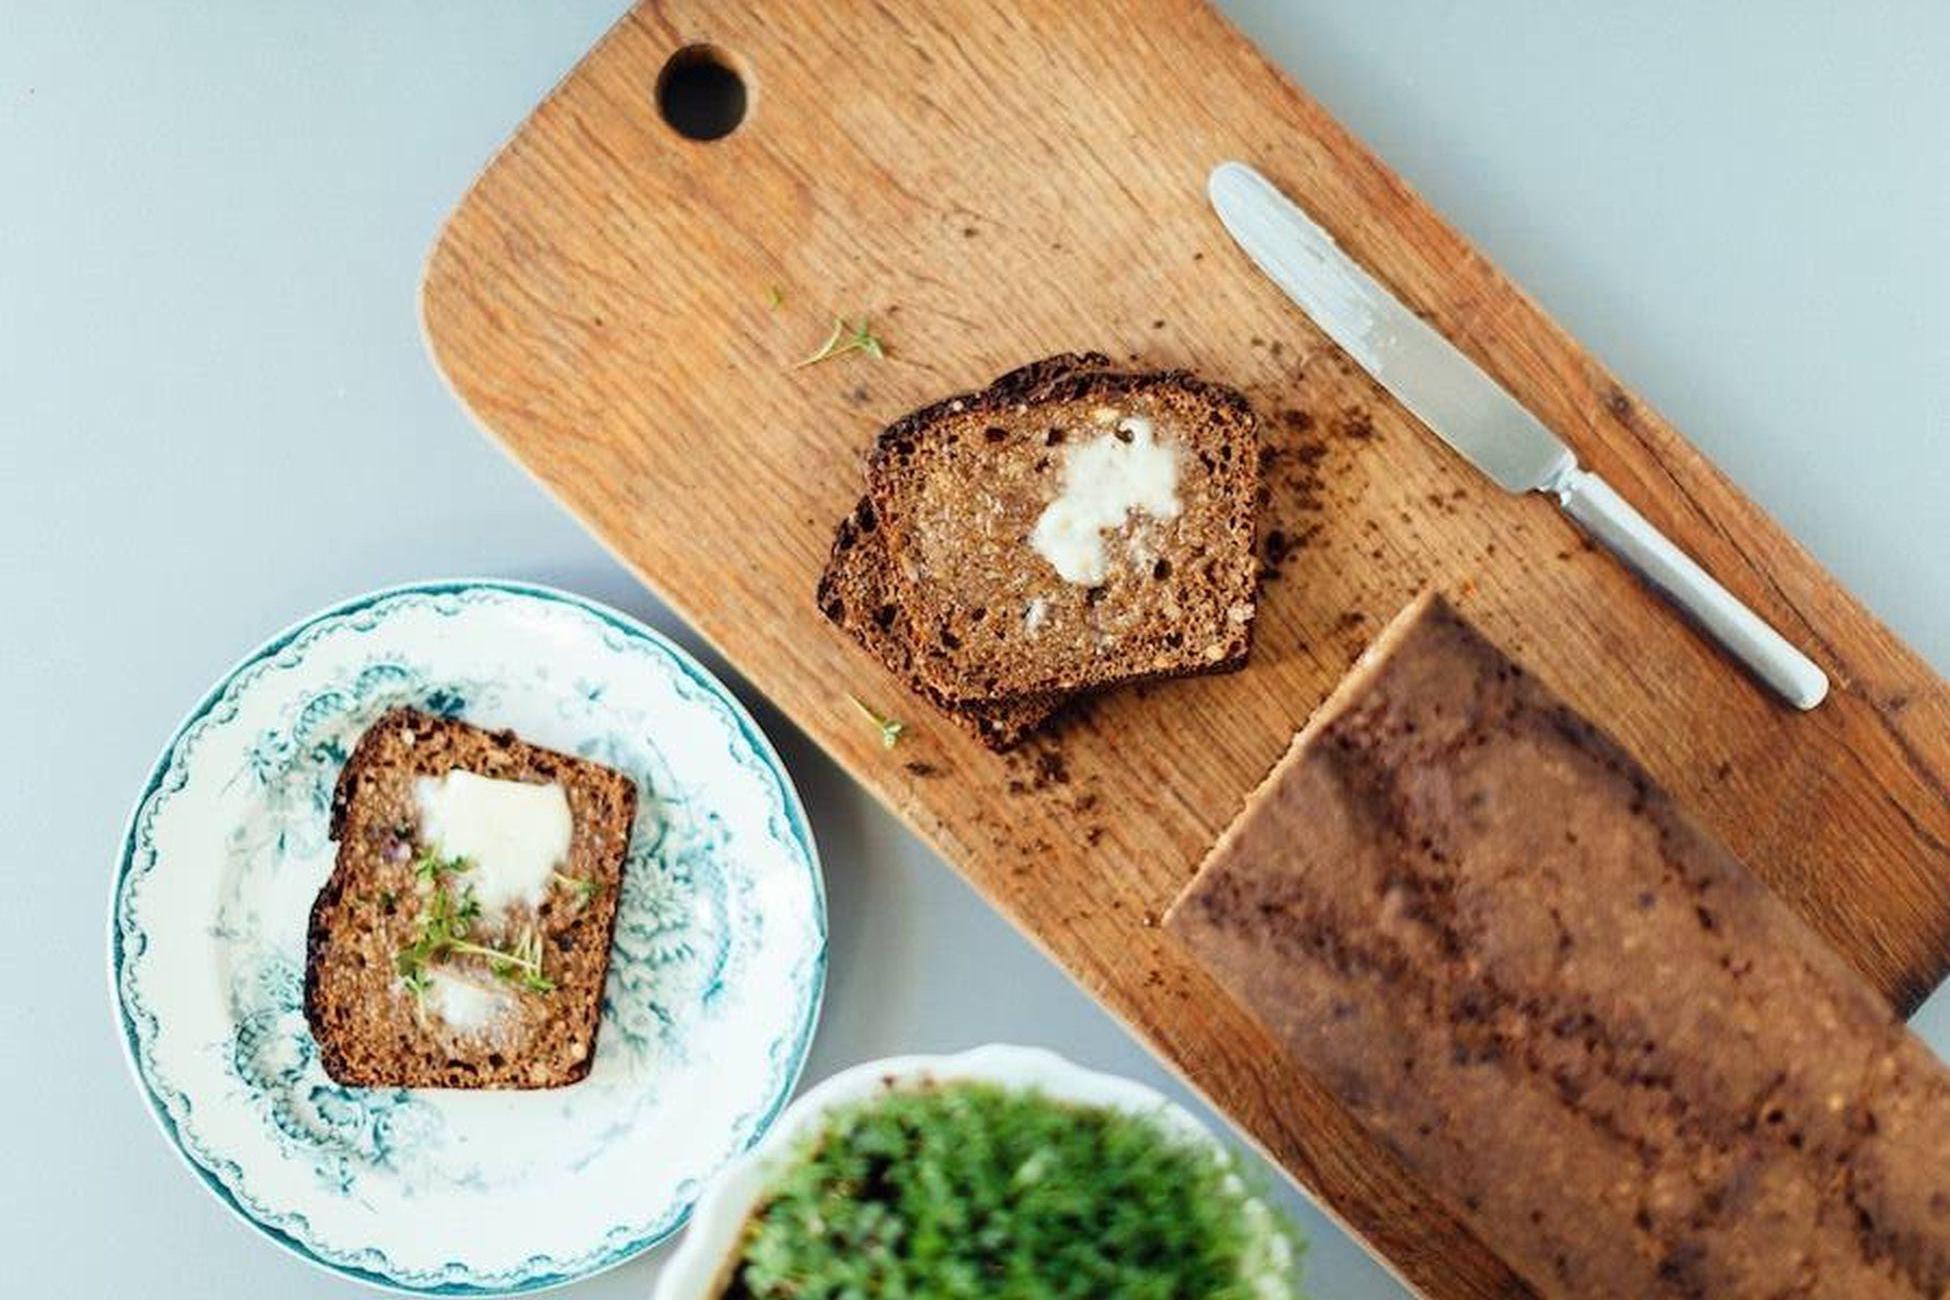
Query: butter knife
[1480,419]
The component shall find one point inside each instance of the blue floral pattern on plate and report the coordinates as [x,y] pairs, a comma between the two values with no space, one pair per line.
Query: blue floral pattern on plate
[714,985]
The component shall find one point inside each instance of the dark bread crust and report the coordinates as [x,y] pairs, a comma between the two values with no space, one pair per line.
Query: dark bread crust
[1628,1067]
[1064,377]
[957,485]
[370,1031]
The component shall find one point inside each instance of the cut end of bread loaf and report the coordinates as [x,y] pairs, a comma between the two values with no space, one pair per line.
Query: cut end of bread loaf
[472,1027]
[1067,530]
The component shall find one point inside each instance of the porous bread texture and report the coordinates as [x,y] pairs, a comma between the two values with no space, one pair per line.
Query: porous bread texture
[853,592]
[958,488]
[374,1031]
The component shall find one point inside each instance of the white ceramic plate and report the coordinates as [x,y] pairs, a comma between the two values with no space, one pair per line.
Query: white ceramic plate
[699,1266]
[713,989]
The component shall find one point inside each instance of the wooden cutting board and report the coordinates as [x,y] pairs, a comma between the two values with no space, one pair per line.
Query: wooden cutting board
[622,307]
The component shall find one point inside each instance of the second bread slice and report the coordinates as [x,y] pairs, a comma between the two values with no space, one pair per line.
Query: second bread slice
[854,593]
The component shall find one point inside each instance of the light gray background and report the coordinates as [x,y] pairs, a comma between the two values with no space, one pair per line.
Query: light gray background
[216,414]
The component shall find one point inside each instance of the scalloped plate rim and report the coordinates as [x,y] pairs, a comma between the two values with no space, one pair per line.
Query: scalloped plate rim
[272,644]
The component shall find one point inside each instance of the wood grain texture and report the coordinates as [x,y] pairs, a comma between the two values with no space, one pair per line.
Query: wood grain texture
[993,183]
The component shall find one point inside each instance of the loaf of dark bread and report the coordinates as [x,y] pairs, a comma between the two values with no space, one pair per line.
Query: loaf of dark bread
[1628,1067]
[373,1029]
[965,492]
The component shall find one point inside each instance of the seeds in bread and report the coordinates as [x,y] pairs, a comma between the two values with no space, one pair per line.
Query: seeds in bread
[472,1028]
[965,492]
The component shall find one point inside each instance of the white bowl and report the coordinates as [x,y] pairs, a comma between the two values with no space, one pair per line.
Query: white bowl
[703,1259]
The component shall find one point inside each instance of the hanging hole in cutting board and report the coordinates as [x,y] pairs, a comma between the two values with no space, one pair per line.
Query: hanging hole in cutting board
[701,93]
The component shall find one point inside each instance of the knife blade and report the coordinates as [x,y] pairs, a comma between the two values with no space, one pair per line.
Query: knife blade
[1479,418]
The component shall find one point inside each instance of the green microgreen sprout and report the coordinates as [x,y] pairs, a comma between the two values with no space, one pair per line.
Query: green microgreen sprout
[521,963]
[431,868]
[962,1189]
[446,921]
[586,890]
[890,730]
[847,338]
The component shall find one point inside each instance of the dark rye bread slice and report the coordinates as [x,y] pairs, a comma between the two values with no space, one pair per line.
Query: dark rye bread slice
[958,488]
[853,593]
[372,1030]
[1629,1068]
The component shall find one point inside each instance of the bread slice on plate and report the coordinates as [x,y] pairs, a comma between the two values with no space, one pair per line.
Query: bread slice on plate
[1069,528]
[463,938]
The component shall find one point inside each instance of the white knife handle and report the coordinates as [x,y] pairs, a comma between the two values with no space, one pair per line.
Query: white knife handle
[1610,519]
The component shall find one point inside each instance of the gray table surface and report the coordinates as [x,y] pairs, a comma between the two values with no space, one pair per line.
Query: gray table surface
[216,414]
